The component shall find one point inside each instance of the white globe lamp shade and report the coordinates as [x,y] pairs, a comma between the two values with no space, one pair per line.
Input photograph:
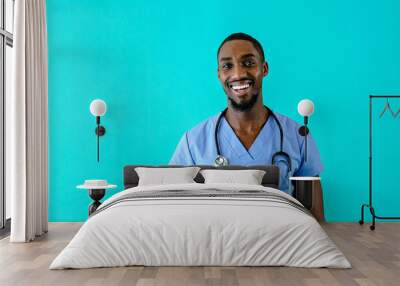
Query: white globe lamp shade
[305,107]
[98,107]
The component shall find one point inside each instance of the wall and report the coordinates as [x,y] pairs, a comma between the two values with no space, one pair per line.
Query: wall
[154,63]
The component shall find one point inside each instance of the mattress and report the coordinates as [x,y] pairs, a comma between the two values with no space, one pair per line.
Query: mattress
[201,225]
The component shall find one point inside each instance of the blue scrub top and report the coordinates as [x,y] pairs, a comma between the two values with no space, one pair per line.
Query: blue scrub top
[197,147]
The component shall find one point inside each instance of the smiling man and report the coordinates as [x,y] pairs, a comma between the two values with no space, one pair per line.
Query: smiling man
[247,132]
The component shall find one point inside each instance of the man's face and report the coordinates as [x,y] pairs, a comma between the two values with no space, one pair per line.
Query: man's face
[240,71]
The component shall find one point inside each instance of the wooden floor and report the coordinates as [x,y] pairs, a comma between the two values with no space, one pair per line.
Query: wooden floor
[375,257]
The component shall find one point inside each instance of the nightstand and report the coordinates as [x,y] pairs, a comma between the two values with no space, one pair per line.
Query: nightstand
[97,190]
[308,191]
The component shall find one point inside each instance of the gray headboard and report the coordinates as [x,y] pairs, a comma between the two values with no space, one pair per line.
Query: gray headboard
[270,179]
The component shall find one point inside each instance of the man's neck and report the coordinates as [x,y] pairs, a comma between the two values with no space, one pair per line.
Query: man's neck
[247,121]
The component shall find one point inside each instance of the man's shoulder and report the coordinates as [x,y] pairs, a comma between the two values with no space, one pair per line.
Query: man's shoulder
[210,123]
[203,127]
[286,121]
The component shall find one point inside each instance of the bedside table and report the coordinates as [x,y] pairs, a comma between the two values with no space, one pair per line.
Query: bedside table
[308,191]
[97,190]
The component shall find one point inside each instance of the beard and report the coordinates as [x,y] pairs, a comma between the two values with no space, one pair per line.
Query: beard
[244,106]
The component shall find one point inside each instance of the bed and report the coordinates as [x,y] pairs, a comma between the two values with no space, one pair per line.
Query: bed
[198,224]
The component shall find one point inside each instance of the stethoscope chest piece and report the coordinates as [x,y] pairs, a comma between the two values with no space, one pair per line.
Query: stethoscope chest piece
[221,161]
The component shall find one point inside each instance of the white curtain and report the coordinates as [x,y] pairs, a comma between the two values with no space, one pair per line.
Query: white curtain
[26,124]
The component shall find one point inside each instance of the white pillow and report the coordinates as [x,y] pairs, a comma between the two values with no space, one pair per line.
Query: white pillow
[163,176]
[249,177]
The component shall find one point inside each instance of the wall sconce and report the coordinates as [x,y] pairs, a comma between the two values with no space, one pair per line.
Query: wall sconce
[306,109]
[98,108]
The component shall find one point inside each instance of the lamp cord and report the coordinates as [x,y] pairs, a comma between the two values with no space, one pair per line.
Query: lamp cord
[98,144]
[305,143]
[305,136]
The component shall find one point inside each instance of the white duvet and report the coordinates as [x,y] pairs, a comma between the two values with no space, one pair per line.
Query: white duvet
[183,231]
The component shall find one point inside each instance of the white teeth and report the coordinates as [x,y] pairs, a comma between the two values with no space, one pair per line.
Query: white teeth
[239,87]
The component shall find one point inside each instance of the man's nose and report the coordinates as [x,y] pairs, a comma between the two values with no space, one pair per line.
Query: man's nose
[238,72]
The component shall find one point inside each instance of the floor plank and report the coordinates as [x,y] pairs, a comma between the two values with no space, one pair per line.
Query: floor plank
[375,257]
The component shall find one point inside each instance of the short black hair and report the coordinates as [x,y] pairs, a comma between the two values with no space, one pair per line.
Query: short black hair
[245,37]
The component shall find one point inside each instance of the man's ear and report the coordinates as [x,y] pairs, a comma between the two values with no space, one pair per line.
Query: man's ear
[219,78]
[265,69]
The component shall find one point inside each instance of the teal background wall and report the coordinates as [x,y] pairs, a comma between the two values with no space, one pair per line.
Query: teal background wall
[154,63]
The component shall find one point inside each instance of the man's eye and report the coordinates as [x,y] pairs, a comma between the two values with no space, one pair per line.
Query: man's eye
[248,63]
[226,66]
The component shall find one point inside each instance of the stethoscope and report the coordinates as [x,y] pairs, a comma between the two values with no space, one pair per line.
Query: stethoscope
[220,160]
